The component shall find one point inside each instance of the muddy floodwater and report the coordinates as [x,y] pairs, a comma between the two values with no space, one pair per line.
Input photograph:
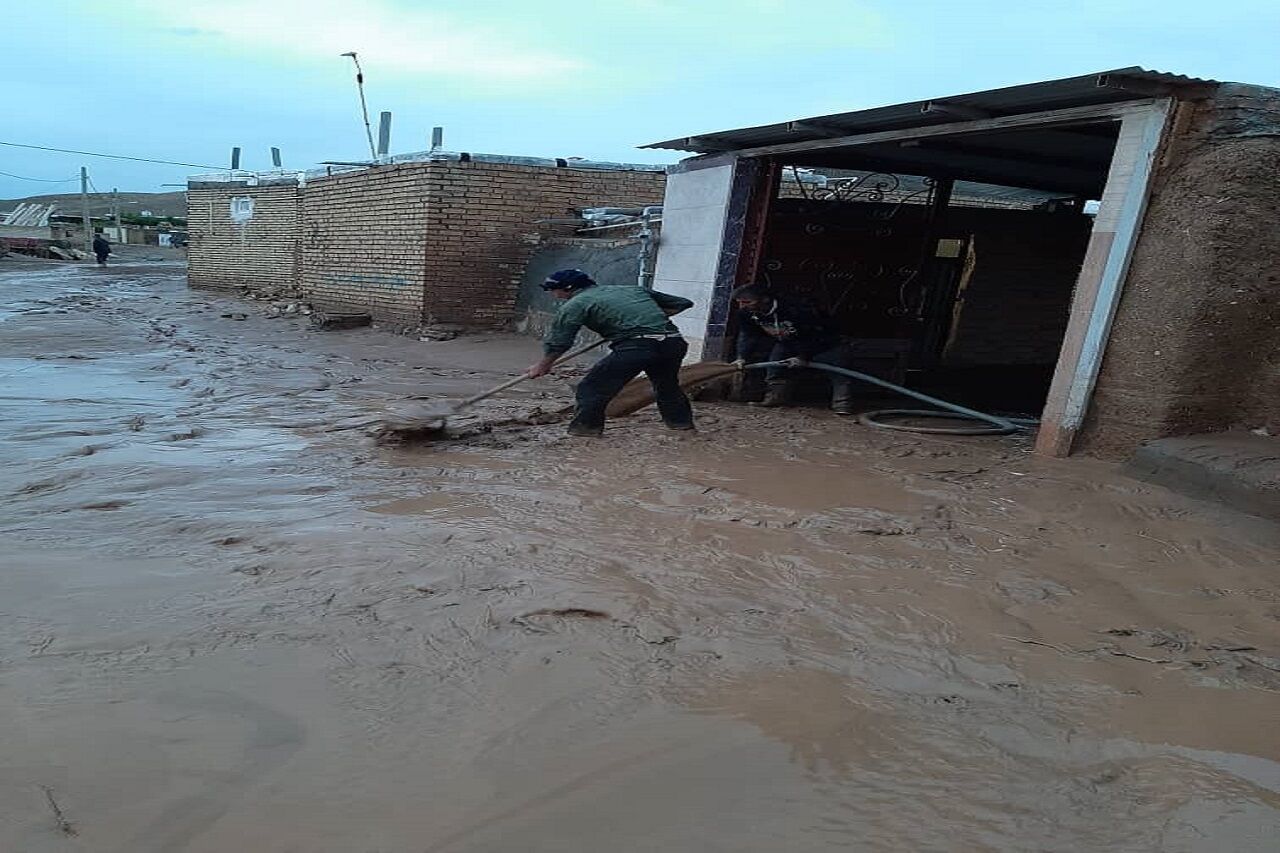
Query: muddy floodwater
[231,621]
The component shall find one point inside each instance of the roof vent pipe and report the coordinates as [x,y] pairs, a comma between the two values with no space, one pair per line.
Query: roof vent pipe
[384,134]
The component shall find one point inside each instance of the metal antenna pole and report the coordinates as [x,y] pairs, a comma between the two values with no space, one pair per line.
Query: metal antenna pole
[364,108]
[84,209]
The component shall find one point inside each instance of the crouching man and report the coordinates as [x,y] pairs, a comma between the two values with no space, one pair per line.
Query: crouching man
[773,329]
[642,339]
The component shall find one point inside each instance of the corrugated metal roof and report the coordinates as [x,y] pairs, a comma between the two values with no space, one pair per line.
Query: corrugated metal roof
[1122,84]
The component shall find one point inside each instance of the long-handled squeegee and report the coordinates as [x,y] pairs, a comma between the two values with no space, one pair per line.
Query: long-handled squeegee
[434,417]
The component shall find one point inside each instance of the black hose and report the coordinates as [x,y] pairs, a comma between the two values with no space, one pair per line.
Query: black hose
[994,425]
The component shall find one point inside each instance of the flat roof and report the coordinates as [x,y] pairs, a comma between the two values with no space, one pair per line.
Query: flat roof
[1103,87]
[335,169]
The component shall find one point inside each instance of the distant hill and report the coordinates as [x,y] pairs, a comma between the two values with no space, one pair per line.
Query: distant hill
[160,204]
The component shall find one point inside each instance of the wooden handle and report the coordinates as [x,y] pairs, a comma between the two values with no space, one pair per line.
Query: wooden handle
[524,376]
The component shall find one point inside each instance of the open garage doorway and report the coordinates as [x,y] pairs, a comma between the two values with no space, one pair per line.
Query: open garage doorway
[959,289]
[979,260]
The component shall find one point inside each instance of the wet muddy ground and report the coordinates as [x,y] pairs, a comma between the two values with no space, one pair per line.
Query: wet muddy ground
[225,625]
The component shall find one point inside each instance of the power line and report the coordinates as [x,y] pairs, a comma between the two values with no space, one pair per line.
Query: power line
[116,156]
[38,180]
[106,199]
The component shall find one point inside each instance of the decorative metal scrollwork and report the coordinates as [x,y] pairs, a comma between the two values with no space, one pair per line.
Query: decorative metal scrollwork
[873,186]
[866,206]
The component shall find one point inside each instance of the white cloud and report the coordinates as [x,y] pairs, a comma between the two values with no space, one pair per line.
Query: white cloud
[389,40]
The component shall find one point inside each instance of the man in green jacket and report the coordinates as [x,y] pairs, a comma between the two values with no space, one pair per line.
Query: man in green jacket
[641,337]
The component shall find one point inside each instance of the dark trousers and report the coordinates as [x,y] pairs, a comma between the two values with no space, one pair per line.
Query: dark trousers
[102,258]
[659,360]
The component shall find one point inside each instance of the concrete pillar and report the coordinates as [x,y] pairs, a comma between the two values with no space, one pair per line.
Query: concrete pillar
[703,216]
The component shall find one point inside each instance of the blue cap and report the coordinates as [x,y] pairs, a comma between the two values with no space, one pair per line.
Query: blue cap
[568,280]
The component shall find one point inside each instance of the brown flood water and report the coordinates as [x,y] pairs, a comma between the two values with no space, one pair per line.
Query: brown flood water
[226,626]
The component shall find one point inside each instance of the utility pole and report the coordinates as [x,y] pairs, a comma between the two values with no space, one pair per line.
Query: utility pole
[84,209]
[364,108]
[115,212]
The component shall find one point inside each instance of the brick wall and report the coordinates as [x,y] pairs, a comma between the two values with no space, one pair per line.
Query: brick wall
[258,252]
[1018,299]
[444,240]
[482,228]
[364,241]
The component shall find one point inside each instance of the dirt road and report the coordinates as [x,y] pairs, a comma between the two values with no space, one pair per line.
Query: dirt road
[225,626]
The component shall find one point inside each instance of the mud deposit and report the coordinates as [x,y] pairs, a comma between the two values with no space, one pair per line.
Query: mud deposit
[226,625]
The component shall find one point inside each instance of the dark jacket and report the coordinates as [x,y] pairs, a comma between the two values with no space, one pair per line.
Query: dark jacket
[101,246]
[797,325]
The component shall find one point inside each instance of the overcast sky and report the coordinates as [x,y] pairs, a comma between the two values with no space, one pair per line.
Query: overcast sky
[187,81]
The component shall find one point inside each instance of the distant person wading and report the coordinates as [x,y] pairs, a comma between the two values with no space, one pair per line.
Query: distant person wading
[101,248]
[641,337]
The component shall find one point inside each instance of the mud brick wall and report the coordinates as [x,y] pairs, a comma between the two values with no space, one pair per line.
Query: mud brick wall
[1018,299]
[482,228]
[259,253]
[1196,342]
[365,239]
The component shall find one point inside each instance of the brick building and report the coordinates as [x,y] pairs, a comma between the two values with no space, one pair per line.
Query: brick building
[1137,299]
[443,239]
[243,236]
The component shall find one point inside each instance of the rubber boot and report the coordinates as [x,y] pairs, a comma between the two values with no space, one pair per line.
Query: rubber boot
[578,428]
[842,398]
[777,393]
